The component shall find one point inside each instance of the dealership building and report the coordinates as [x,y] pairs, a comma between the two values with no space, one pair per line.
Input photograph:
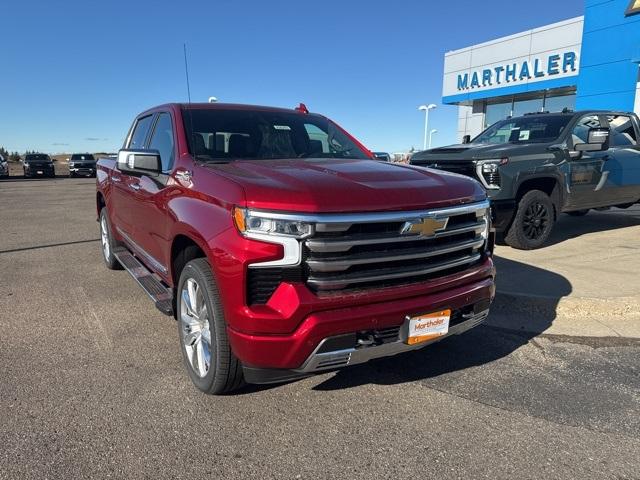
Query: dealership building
[586,62]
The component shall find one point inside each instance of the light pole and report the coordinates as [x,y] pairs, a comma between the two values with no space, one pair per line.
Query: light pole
[426,109]
[431,133]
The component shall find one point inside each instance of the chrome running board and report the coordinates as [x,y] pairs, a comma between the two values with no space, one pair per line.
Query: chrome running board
[161,295]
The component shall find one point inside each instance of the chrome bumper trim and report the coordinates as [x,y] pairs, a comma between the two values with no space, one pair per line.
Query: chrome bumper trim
[317,362]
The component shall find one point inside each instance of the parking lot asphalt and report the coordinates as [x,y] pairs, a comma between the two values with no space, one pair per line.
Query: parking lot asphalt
[92,385]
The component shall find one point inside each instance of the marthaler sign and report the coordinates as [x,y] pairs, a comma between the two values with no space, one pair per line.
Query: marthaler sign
[634,7]
[534,69]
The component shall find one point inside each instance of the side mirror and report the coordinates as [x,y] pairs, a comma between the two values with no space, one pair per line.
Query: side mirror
[466,139]
[598,140]
[140,161]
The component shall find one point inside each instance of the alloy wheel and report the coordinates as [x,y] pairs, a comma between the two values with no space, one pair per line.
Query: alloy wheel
[195,331]
[536,220]
[104,237]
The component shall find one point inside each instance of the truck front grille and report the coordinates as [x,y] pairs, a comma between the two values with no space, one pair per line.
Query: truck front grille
[467,168]
[355,252]
[376,251]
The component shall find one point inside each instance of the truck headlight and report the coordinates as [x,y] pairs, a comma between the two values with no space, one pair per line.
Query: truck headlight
[251,222]
[488,172]
[275,228]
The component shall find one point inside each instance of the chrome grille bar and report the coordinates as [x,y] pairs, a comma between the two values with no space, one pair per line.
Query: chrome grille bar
[342,281]
[336,264]
[323,245]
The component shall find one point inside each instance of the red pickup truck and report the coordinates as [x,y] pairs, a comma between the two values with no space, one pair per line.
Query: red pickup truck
[283,248]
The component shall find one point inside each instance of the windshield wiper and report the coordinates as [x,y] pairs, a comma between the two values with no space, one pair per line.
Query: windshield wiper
[207,159]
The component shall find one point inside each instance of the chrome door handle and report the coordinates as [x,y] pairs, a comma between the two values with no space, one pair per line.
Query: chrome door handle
[135,186]
[116,179]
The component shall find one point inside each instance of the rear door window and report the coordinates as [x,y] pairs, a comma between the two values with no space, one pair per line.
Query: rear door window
[140,132]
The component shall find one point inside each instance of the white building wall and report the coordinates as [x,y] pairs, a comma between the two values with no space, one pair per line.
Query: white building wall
[469,122]
[532,46]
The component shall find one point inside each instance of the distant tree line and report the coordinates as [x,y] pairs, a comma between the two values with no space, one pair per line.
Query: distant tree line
[11,156]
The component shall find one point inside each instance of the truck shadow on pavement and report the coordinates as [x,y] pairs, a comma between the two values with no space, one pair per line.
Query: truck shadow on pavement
[501,335]
[568,227]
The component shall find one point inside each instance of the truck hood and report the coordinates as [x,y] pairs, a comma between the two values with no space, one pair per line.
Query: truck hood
[340,185]
[477,152]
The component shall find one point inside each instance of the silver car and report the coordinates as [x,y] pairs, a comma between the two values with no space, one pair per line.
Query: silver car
[4,167]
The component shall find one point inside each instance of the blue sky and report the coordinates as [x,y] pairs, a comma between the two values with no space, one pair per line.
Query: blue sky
[75,73]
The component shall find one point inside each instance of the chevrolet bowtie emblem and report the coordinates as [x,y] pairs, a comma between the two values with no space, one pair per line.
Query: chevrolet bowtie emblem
[634,7]
[426,227]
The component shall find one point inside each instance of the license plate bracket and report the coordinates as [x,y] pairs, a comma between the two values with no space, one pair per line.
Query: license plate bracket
[427,327]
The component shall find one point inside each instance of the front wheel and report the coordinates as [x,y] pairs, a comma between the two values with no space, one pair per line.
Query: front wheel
[202,331]
[107,243]
[532,223]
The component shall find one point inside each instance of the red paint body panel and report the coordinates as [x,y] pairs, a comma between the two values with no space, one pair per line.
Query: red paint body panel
[290,351]
[283,332]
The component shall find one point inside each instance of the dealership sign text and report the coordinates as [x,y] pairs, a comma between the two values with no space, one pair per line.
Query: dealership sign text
[534,69]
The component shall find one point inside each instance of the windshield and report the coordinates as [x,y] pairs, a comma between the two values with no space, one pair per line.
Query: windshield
[224,135]
[533,129]
[77,157]
[36,158]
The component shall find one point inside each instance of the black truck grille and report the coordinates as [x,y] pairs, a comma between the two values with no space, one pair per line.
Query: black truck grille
[468,168]
[354,252]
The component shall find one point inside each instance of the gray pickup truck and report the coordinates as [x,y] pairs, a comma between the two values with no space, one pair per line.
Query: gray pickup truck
[537,166]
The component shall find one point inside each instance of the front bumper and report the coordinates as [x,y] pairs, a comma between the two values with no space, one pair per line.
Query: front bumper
[502,212]
[40,171]
[274,358]
[82,171]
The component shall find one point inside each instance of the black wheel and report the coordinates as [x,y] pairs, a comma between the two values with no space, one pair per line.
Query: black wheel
[206,352]
[578,213]
[72,175]
[533,221]
[107,242]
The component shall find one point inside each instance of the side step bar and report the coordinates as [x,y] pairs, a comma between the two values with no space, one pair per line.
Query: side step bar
[159,293]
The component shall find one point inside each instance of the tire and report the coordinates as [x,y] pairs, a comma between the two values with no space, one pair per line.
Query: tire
[72,175]
[578,213]
[533,221]
[107,243]
[197,295]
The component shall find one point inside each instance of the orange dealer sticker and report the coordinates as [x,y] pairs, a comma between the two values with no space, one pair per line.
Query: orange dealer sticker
[423,328]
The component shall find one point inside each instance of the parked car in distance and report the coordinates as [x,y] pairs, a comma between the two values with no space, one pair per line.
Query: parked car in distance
[83,164]
[4,167]
[38,165]
[382,156]
[282,249]
[537,166]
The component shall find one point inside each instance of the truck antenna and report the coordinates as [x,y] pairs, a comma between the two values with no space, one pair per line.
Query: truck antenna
[186,71]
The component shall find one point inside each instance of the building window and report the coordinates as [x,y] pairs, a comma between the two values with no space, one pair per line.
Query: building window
[532,105]
[496,112]
[559,103]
